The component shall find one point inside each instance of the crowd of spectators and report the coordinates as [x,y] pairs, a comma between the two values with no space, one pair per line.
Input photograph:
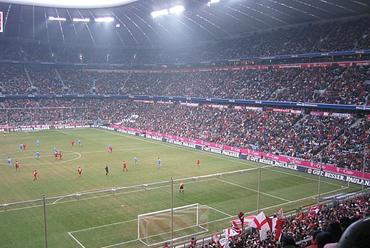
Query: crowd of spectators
[338,85]
[13,80]
[349,149]
[334,139]
[319,228]
[319,37]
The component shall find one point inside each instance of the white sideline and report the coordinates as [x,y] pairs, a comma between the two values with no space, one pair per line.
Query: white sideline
[297,175]
[201,177]
[58,198]
[74,200]
[221,156]
[247,188]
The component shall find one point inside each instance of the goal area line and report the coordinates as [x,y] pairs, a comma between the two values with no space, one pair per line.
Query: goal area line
[227,217]
[204,230]
[199,225]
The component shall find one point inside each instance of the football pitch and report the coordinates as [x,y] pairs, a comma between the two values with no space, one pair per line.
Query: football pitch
[96,210]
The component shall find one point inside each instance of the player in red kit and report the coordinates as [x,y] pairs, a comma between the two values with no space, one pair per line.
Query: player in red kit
[35,175]
[79,171]
[60,155]
[72,142]
[24,147]
[198,163]
[16,165]
[110,149]
[124,168]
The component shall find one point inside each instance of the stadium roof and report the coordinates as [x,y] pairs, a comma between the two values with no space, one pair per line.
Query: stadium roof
[133,24]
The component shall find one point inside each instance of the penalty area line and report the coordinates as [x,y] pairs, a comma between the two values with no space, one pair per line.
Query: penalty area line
[250,189]
[76,240]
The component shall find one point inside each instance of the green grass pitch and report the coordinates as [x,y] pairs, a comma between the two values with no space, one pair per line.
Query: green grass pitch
[109,219]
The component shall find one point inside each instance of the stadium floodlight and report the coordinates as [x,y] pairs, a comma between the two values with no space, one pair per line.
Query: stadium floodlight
[81,19]
[177,10]
[118,25]
[106,19]
[53,18]
[212,2]
[159,13]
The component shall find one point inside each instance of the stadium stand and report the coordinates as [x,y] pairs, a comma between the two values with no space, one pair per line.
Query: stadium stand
[313,229]
[337,85]
[335,139]
[34,75]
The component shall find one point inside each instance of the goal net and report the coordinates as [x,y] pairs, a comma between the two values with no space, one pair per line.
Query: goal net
[155,228]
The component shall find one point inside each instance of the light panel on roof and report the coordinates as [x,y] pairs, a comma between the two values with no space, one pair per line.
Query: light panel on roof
[177,9]
[54,18]
[104,19]
[159,13]
[72,3]
[81,19]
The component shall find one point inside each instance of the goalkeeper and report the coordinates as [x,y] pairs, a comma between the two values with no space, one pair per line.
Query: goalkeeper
[181,189]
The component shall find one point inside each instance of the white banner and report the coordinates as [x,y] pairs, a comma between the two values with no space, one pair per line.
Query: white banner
[1,22]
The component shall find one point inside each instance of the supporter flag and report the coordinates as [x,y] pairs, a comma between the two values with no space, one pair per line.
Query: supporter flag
[229,232]
[314,210]
[278,227]
[224,243]
[1,22]
[261,223]
[237,225]
[216,238]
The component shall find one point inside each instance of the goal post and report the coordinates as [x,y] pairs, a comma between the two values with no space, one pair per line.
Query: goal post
[155,227]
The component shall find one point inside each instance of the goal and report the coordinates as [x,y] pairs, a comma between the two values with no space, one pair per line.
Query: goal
[155,228]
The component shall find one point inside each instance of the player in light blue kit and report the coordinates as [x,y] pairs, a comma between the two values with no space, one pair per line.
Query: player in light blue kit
[20,147]
[158,163]
[10,162]
[37,155]
[136,161]
[79,142]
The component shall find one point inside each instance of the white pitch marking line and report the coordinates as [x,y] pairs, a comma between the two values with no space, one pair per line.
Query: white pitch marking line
[122,243]
[308,178]
[75,239]
[305,198]
[55,162]
[247,188]
[236,160]
[87,198]
[217,210]
[222,219]
[106,225]
[180,148]
[87,152]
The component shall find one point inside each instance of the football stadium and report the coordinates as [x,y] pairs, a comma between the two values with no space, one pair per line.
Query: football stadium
[185,123]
